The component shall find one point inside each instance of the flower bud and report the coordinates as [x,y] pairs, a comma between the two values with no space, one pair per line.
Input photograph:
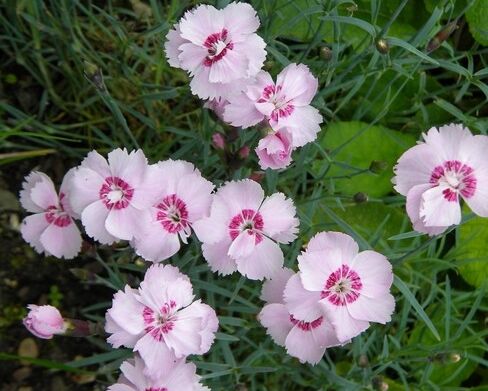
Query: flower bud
[326,53]
[244,152]
[441,36]
[382,46]
[44,321]
[378,166]
[360,197]
[363,361]
[218,141]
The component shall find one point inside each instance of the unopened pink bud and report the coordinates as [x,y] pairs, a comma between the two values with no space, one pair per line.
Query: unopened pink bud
[44,321]
[244,152]
[218,141]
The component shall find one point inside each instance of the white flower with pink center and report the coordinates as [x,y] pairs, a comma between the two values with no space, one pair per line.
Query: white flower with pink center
[244,228]
[51,228]
[160,320]
[181,377]
[285,103]
[218,48]
[450,165]
[349,287]
[305,340]
[113,197]
[44,321]
[184,197]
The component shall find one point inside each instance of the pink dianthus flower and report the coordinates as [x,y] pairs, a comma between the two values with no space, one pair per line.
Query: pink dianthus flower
[449,165]
[244,228]
[349,287]
[113,197]
[181,377]
[305,340]
[285,103]
[184,197]
[51,228]
[218,48]
[160,320]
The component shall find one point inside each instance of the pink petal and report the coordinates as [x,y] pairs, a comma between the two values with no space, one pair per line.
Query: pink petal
[273,288]
[415,167]
[240,19]
[118,336]
[232,66]
[414,201]
[126,311]
[93,218]
[202,21]
[323,241]
[254,48]
[125,223]
[377,310]
[298,84]
[184,338]
[183,377]
[217,258]
[171,46]
[301,303]
[303,345]
[155,244]
[239,195]
[196,191]
[191,57]
[303,123]
[43,193]
[243,245]
[30,181]
[210,325]
[67,187]
[218,232]
[475,151]
[437,211]
[263,262]
[345,326]
[129,166]
[375,272]
[62,242]
[156,355]
[316,267]
[447,140]
[158,291]
[241,112]
[96,162]
[31,229]
[85,188]
[276,319]
[279,216]
[120,387]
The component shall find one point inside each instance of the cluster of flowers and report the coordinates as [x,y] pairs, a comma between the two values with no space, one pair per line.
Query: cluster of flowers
[224,56]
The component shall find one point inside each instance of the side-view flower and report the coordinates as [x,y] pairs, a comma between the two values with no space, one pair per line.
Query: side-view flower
[51,227]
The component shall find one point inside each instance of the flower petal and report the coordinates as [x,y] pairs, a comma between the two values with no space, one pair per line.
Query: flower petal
[301,303]
[263,262]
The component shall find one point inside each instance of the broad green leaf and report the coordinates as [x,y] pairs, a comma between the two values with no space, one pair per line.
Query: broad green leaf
[472,251]
[371,143]
[477,17]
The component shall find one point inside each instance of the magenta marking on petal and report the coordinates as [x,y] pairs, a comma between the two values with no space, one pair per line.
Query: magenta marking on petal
[458,178]
[173,214]
[217,45]
[342,286]
[159,324]
[116,193]
[306,326]
[57,216]
[248,220]
[283,108]
[156,389]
